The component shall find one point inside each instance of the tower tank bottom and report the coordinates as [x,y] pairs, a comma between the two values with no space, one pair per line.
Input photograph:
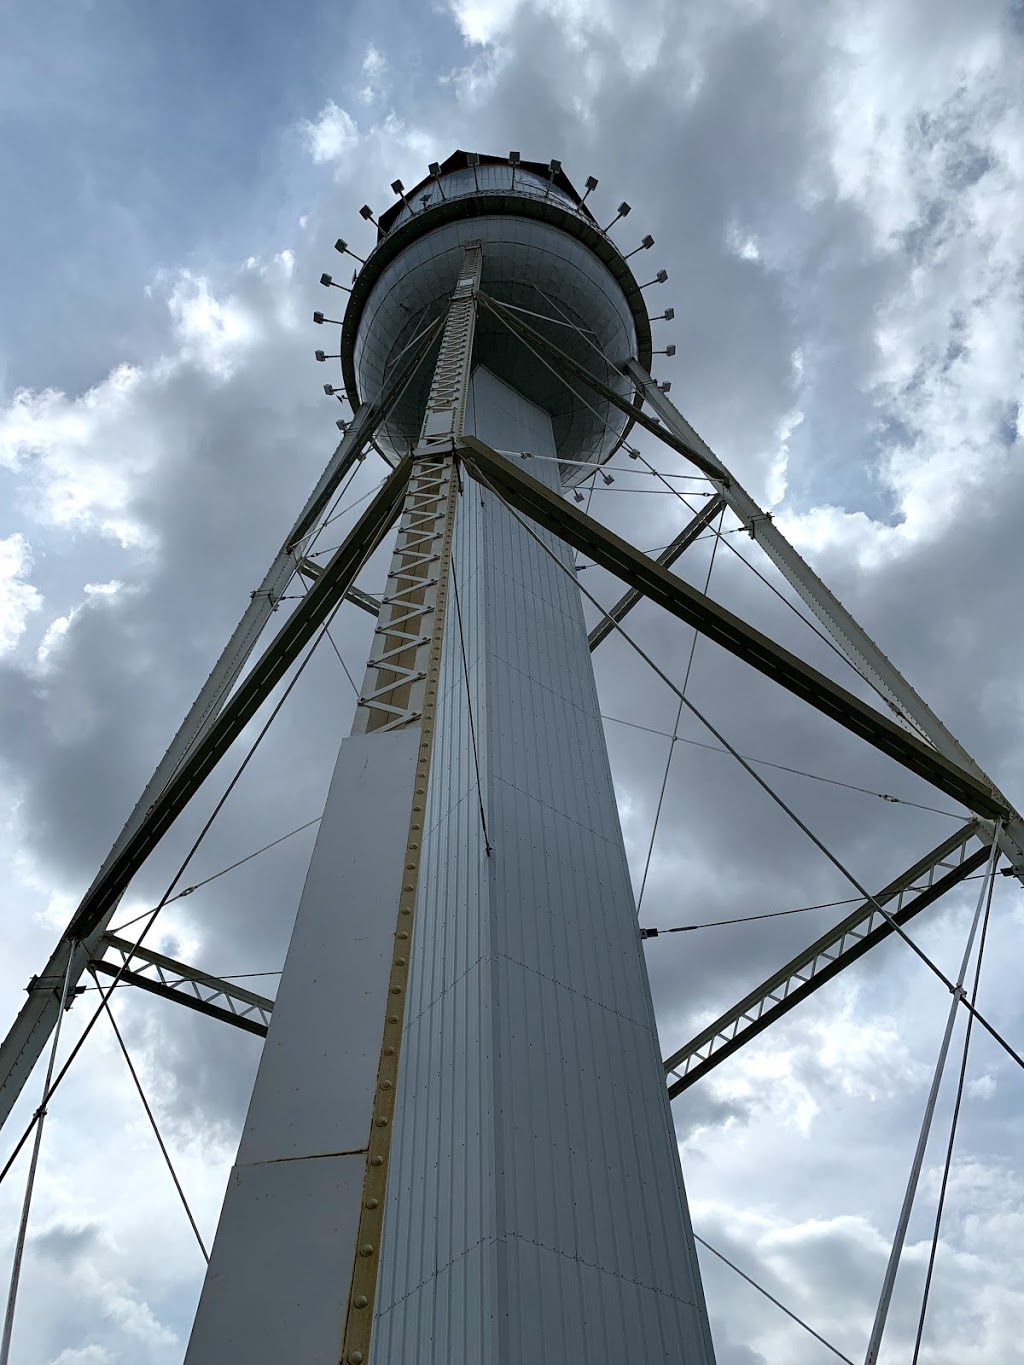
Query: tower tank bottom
[541,256]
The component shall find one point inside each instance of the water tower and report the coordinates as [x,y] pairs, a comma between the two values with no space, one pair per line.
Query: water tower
[459,1142]
[459,1146]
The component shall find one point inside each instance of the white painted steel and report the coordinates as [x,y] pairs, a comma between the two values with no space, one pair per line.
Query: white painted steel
[535,1207]
[273,1289]
[281,1263]
[859,648]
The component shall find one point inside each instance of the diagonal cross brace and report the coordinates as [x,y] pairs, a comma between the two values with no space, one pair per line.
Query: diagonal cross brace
[589,537]
[920,886]
[668,556]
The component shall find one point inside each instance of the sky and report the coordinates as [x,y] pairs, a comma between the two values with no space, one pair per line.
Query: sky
[836,192]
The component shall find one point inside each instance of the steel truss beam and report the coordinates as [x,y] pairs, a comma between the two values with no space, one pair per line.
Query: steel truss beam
[393,688]
[920,886]
[584,534]
[205,734]
[668,556]
[674,431]
[186,985]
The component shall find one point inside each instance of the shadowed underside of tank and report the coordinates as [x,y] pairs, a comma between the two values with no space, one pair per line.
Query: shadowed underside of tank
[543,253]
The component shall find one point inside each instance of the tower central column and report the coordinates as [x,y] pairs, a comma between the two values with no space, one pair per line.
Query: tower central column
[535,1212]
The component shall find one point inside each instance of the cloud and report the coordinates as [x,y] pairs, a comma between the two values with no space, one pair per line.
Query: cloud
[86,1355]
[375,69]
[18,598]
[333,135]
[73,479]
[484,21]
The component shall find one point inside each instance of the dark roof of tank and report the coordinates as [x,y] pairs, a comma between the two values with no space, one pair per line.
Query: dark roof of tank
[459,161]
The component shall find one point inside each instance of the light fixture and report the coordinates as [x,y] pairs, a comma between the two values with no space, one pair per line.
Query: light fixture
[660,278]
[435,170]
[606,476]
[321,357]
[665,385]
[329,282]
[621,212]
[330,390]
[342,246]
[577,495]
[670,349]
[591,184]
[668,315]
[319,318]
[367,213]
[632,452]
[513,158]
[474,160]
[341,424]
[645,245]
[554,168]
[399,189]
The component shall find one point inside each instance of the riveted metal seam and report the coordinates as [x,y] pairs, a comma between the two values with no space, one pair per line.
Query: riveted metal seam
[362,1293]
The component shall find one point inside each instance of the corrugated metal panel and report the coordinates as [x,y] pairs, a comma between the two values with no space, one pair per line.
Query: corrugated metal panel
[279,1272]
[535,1206]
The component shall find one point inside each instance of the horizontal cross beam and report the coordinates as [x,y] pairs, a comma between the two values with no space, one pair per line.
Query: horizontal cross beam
[535,501]
[310,569]
[186,985]
[866,926]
